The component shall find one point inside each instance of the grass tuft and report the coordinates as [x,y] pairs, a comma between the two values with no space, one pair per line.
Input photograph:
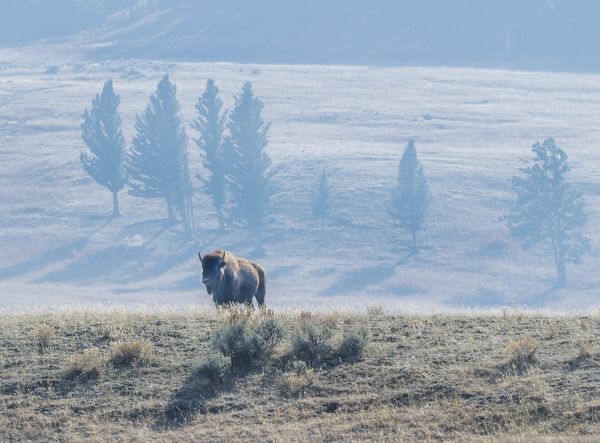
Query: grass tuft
[295,384]
[585,349]
[522,352]
[375,311]
[43,337]
[131,353]
[85,366]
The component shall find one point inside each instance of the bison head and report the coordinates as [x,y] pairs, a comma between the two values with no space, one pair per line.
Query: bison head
[213,265]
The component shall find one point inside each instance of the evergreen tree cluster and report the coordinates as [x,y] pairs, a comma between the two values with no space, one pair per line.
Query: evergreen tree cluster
[238,175]
[237,172]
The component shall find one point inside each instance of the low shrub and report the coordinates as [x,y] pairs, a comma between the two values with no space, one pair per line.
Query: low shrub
[131,353]
[86,365]
[212,369]
[248,343]
[352,345]
[272,331]
[312,344]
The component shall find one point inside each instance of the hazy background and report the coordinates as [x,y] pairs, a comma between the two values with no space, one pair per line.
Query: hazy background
[531,34]
[345,84]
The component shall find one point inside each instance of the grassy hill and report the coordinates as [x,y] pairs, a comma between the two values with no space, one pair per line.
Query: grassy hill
[104,375]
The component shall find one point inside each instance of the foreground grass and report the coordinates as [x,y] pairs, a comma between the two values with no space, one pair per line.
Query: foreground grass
[97,376]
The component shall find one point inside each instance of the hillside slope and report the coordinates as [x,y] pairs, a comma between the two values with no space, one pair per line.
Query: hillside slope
[450,378]
[473,130]
[532,34]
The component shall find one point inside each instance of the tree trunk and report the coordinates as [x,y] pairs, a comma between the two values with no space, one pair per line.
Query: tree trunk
[220,217]
[561,273]
[116,211]
[170,209]
[188,216]
[559,261]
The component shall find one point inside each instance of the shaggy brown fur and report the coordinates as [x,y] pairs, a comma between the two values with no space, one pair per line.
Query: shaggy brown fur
[231,279]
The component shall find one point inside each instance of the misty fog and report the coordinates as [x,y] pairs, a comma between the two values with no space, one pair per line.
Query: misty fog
[425,155]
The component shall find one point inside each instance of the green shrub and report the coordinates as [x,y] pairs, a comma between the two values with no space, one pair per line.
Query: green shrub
[312,344]
[352,345]
[247,344]
[212,368]
[272,332]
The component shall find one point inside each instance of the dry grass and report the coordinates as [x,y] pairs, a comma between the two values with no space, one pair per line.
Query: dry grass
[43,336]
[522,352]
[419,379]
[295,384]
[131,353]
[86,365]
[375,310]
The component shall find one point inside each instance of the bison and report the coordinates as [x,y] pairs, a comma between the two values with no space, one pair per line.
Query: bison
[231,279]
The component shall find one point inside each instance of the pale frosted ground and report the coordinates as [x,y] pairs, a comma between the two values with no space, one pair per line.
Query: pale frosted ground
[473,129]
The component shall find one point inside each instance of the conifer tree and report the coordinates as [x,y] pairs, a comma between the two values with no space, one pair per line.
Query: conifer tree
[104,160]
[158,163]
[210,123]
[249,173]
[410,197]
[548,209]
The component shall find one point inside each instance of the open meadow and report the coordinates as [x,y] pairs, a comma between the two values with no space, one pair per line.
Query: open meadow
[159,375]
[473,130]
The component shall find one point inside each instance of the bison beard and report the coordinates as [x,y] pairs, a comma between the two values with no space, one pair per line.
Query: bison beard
[231,279]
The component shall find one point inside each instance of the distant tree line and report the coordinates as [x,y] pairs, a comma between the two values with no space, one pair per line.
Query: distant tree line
[238,176]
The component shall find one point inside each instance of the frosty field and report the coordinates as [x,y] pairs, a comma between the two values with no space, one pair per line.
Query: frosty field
[473,130]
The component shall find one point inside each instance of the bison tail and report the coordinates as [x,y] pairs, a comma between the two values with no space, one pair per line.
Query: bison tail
[262,286]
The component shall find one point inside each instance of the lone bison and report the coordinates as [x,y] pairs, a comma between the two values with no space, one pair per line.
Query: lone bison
[231,279]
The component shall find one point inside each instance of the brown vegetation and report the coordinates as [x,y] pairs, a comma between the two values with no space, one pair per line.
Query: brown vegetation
[417,378]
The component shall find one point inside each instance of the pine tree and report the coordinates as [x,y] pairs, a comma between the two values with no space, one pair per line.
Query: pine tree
[410,197]
[101,132]
[211,124]
[322,202]
[249,173]
[158,164]
[548,208]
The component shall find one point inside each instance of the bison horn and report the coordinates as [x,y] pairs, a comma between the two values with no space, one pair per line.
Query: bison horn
[223,257]
[200,256]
